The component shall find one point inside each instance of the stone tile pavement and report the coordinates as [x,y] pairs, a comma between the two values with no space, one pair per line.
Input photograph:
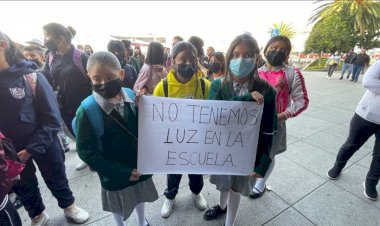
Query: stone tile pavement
[302,194]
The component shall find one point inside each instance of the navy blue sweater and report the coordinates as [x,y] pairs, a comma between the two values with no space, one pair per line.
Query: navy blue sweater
[32,122]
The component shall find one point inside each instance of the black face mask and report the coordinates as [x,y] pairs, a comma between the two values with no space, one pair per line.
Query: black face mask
[187,70]
[276,58]
[108,90]
[50,44]
[215,67]
[36,61]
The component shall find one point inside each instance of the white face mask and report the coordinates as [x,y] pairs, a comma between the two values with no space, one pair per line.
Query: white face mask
[242,67]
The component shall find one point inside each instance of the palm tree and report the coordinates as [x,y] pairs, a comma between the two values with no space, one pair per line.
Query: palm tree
[284,29]
[364,15]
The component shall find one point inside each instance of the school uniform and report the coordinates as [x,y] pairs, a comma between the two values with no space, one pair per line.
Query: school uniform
[234,91]
[114,155]
[291,98]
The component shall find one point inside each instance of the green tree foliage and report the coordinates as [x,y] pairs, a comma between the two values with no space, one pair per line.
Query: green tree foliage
[330,35]
[363,15]
[285,29]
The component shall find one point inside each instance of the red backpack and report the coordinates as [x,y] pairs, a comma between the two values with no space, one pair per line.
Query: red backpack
[15,166]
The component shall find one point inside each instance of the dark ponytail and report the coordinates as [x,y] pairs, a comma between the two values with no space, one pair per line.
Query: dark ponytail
[59,30]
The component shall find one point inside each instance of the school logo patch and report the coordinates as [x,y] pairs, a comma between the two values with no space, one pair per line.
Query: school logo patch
[17,92]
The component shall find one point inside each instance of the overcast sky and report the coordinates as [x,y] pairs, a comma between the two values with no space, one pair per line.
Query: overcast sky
[217,23]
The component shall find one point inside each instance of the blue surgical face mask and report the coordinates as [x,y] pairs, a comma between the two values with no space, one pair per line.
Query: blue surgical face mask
[242,67]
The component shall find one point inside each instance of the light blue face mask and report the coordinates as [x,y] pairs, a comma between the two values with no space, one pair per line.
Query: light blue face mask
[241,67]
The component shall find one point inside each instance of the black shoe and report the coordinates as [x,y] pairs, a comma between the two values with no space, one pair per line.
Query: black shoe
[348,76]
[340,78]
[334,172]
[370,191]
[17,203]
[214,212]
[257,194]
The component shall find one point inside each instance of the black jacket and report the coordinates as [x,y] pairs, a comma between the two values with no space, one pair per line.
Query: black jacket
[68,81]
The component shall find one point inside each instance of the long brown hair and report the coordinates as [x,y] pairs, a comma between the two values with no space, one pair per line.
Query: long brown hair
[255,82]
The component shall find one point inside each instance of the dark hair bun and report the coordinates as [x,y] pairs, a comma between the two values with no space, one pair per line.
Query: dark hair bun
[72,31]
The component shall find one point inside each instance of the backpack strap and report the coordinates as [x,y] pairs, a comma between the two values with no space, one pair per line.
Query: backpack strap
[130,93]
[165,84]
[203,86]
[31,79]
[94,114]
[77,58]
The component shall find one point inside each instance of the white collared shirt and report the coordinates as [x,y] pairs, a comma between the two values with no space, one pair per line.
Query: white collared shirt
[107,106]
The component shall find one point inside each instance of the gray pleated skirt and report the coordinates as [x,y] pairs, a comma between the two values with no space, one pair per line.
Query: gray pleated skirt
[241,184]
[124,201]
[279,140]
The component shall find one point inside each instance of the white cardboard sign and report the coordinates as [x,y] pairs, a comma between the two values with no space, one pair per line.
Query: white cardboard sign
[187,136]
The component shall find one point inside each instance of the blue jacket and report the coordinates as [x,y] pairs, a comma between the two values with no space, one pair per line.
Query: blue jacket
[30,121]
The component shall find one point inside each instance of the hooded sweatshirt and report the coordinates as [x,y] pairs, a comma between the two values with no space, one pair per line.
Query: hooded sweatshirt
[190,90]
[30,120]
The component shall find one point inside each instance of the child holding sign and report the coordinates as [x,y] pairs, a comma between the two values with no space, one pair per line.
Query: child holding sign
[183,81]
[242,83]
[107,142]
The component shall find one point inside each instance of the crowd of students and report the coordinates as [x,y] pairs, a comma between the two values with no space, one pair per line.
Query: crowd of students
[99,92]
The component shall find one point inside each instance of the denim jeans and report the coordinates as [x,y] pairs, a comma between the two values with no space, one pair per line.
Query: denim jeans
[345,67]
[356,69]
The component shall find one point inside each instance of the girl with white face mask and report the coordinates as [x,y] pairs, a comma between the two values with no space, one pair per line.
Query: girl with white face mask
[242,83]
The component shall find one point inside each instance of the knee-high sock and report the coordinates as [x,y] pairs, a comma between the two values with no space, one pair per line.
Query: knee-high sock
[118,219]
[140,210]
[260,182]
[232,207]
[223,199]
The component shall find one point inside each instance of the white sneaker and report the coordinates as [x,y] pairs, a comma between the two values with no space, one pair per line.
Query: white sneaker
[167,208]
[76,214]
[200,201]
[81,165]
[40,220]
[329,78]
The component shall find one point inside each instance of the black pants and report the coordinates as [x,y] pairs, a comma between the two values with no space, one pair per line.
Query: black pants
[173,180]
[9,215]
[360,131]
[331,69]
[52,168]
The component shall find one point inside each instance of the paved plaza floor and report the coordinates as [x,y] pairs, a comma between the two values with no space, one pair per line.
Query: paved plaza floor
[301,193]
